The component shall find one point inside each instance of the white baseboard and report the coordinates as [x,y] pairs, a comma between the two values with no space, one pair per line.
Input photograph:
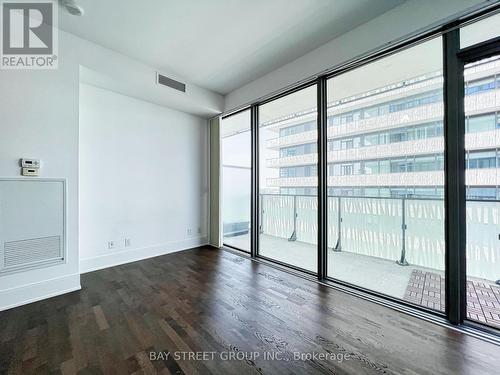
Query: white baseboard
[29,293]
[133,255]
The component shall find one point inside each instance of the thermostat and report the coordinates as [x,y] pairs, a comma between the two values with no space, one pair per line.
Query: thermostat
[30,163]
[30,171]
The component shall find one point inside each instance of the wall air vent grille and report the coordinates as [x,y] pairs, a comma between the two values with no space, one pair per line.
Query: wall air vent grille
[26,253]
[169,82]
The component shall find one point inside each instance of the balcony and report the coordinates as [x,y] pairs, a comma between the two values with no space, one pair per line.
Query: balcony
[473,177]
[473,141]
[431,178]
[366,236]
[290,140]
[417,147]
[474,104]
[435,83]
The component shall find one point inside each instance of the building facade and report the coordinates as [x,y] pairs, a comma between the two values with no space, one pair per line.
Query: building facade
[389,142]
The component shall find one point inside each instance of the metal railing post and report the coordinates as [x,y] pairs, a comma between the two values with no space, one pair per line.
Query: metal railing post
[402,260]
[293,237]
[498,281]
[338,246]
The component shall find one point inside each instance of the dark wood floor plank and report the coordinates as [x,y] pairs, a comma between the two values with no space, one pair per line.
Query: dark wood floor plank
[216,301]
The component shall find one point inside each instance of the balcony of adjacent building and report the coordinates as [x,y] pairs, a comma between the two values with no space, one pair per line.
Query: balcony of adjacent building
[392,246]
[473,141]
[488,101]
[473,177]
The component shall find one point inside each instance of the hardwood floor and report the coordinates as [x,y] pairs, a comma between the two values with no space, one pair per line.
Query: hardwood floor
[226,305]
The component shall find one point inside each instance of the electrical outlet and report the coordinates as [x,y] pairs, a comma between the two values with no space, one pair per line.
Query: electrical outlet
[127,242]
[189,232]
[111,245]
[199,230]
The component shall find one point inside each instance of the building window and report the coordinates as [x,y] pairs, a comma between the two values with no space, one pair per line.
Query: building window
[480,123]
[309,148]
[480,160]
[481,193]
[297,129]
[478,86]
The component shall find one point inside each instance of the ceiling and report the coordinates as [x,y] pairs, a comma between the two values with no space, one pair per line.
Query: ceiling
[218,44]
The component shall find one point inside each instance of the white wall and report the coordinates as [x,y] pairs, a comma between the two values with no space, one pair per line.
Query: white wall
[143,176]
[39,118]
[408,18]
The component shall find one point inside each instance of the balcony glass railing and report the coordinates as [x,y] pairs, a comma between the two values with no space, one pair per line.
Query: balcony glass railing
[397,229]
[394,246]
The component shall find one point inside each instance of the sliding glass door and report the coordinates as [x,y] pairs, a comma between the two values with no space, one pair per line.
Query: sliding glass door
[410,194]
[482,178]
[482,175]
[236,180]
[288,179]
[386,174]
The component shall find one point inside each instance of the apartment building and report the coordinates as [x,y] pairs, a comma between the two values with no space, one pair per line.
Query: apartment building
[388,142]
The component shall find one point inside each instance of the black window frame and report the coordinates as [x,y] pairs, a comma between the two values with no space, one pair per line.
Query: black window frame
[454,60]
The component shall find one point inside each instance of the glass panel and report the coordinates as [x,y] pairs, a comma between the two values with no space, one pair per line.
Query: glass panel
[480,31]
[391,219]
[482,178]
[288,181]
[236,180]
[482,123]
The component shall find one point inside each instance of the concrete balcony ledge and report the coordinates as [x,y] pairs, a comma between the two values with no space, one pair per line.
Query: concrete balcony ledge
[483,102]
[432,178]
[482,140]
[474,177]
[290,140]
[288,161]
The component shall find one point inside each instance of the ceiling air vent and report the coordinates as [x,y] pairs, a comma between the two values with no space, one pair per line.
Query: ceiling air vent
[169,82]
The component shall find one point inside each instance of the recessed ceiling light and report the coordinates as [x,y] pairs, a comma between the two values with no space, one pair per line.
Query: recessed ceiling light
[73,8]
